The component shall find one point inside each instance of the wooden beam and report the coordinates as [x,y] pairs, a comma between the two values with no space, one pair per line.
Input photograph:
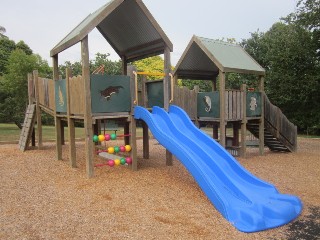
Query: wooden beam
[166,93]
[71,128]
[222,83]
[87,107]
[244,121]
[57,119]
[261,122]
[38,110]
[124,65]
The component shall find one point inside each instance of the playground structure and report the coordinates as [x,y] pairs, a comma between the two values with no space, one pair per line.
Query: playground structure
[94,99]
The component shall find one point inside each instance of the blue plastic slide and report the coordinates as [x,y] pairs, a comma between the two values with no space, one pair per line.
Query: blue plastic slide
[249,203]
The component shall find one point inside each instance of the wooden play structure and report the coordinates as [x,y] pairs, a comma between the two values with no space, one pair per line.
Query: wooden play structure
[207,59]
[134,34]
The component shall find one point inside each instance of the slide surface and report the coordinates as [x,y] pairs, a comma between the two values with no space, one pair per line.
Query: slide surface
[247,202]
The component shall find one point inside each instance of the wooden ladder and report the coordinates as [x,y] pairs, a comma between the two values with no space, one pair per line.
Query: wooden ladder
[27,128]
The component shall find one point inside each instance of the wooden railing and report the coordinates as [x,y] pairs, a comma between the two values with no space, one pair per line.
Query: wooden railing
[187,100]
[278,124]
[46,93]
[76,95]
[233,107]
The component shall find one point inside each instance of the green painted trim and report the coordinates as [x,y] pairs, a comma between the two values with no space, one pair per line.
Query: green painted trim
[61,96]
[110,93]
[203,104]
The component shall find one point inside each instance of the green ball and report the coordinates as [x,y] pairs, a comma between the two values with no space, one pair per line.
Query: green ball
[113,136]
[116,149]
[95,138]
[122,161]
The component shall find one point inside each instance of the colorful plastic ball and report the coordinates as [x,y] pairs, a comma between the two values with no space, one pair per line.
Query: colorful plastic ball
[113,136]
[101,138]
[107,137]
[111,163]
[117,162]
[111,150]
[95,138]
[128,160]
[116,149]
[128,148]
[122,148]
[122,161]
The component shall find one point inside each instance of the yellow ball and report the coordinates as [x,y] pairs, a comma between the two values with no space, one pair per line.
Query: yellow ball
[111,150]
[117,162]
[101,138]
[128,148]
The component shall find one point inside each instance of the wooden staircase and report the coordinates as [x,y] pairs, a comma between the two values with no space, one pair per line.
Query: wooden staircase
[28,126]
[279,133]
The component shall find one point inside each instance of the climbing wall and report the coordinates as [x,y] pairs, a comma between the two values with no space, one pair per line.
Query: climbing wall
[28,126]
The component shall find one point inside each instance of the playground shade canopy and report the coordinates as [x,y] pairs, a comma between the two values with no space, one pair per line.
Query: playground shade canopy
[204,58]
[127,25]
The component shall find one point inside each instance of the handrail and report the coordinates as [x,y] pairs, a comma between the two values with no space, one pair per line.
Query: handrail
[135,101]
[279,122]
[171,78]
[151,73]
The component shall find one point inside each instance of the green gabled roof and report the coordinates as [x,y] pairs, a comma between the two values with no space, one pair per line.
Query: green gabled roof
[127,25]
[204,58]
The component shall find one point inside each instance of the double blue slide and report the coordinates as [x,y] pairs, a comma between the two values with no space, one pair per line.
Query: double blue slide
[247,202]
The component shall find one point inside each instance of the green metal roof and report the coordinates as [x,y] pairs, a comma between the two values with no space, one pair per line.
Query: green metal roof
[127,25]
[203,58]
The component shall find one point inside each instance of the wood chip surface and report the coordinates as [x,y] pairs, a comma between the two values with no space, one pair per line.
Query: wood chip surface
[43,198]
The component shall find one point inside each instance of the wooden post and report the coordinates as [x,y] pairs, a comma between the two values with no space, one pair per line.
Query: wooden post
[145,140]
[215,132]
[132,123]
[261,122]
[124,65]
[57,120]
[87,107]
[235,141]
[166,92]
[38,110]
[30,88]
[244,121]
[222,83]
[71,128]
[63,142]
[166,80]
[144,96]
[33,138]
[196,90]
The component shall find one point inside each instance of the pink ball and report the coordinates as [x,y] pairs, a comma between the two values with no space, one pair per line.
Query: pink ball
[128,160]
[122,148]
[107,137]
[111,163]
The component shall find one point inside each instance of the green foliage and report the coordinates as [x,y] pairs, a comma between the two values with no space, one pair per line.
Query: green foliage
[204,86]
[288,53]
[151,64]
[24,47]
[6,47]
[14,85]
[110,67]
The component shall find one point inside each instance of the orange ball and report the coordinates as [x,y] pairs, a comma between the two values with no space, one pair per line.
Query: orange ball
[117,162]
[111,150]
[128,148]
[101,138]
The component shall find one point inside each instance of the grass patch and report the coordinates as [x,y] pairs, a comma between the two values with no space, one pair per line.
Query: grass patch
[10,132]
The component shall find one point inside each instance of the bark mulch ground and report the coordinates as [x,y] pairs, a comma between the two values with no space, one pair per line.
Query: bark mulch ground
[42,198]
